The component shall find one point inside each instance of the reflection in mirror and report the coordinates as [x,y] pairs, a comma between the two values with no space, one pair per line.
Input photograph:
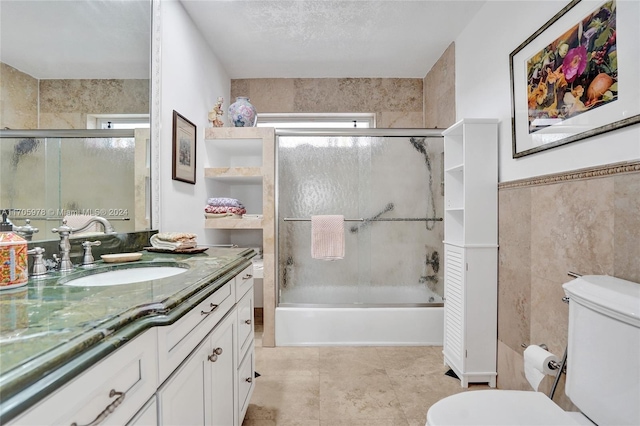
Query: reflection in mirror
[47,179]
[82,64]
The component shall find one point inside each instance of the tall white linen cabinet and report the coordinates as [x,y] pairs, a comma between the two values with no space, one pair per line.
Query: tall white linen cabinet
[471,250]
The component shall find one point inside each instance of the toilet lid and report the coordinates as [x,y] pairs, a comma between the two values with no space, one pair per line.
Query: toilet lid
[497,407]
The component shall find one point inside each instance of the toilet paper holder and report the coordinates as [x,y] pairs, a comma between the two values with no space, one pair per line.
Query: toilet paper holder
[552,364]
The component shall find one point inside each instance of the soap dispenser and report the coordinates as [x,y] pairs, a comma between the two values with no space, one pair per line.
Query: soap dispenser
[13,256]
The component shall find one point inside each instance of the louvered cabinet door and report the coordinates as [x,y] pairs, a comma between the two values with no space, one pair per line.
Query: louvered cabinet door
[454,306]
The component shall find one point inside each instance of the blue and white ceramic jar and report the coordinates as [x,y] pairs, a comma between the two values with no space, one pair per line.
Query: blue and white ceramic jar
[242,114]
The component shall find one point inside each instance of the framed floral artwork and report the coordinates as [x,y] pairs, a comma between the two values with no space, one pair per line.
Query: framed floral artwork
[184,149]
[577,76]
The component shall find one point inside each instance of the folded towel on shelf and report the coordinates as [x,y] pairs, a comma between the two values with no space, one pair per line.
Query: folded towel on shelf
[327,237]
[224,202]
[222,209]
[173,240]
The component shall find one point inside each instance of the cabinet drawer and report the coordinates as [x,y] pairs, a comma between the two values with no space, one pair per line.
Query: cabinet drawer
[176,341]
[131,370]
[246,382]
[244,310]
[244,282]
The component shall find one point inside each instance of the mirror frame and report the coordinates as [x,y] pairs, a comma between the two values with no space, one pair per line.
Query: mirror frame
[156,41]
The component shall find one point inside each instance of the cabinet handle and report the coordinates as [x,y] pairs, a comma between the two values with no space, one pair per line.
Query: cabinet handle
[214,355]
[248,380]
[213,308]
[248,321]
[246,277]
[110,408]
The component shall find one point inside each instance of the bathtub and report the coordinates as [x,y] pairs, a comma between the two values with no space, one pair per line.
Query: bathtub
[369,325]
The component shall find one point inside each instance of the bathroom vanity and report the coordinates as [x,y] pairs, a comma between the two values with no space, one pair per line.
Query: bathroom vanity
[174,350]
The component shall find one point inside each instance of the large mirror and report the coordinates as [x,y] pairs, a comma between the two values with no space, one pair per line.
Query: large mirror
[75,112]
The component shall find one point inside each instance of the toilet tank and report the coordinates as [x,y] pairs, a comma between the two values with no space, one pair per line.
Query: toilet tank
[603,361]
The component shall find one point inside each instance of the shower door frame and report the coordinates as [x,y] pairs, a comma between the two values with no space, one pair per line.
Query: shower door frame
[355,132]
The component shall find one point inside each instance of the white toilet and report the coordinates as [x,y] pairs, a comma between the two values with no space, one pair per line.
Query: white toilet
[603,367]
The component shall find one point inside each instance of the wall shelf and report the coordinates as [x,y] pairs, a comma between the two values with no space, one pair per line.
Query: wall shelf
[224,223]
[240,163]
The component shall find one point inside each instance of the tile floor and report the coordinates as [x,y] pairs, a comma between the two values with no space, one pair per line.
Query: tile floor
[344,386]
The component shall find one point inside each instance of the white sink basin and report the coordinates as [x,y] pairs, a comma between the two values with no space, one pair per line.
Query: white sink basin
[126,276]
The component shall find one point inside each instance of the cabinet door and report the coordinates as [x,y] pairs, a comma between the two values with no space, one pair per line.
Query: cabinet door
[182,398]
[454,307]
[221,375]
[147,416]
[245,323]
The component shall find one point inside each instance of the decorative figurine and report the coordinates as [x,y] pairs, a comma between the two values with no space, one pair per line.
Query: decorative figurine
[216,113]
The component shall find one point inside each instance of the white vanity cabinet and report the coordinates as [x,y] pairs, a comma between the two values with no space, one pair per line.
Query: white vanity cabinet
[196,371]
[245,340]
[148,414]
[201,391]
[470,250]
[114,389]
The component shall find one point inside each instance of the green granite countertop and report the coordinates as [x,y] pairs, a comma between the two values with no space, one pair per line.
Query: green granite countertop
[47,324]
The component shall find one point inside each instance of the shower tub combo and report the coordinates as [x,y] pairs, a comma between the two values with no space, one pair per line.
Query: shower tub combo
[388,288]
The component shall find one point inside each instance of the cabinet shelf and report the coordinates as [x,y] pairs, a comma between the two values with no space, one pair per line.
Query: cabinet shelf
[459,168]
[224,223]
[235,175]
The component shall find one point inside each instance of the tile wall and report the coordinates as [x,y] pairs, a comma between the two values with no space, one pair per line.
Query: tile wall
[18,99]
[64,104]
[397,102]
[440,92]
[585,221]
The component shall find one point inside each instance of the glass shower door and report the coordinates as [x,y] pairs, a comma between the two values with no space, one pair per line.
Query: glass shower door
[392,254]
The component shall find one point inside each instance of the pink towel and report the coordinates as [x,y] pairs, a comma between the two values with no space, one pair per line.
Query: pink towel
[327,237]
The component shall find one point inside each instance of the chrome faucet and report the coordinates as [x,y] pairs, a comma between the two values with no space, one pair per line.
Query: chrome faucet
[65,231]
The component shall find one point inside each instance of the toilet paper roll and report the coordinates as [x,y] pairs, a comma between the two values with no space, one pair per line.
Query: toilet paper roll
[536,364]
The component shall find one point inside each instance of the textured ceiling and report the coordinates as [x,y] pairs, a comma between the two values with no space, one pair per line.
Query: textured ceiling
[252,39]
[329,38]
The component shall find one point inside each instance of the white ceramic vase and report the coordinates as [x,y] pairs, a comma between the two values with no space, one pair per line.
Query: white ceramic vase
[242,114]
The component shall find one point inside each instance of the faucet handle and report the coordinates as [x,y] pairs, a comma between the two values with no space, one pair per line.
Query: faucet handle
[26,230]
[88,260]
[64,229]
[39,267]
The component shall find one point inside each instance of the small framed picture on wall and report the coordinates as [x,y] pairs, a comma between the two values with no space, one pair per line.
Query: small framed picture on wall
[184,149]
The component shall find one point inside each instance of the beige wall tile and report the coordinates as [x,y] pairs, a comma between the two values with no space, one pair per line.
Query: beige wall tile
[18,99]
[511,369]
[95,96]
[397,102]
[572,228]
[514,268]
[549,314]
[589,226]
[439,92]
[399,120]
[627,227]
[271,94]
